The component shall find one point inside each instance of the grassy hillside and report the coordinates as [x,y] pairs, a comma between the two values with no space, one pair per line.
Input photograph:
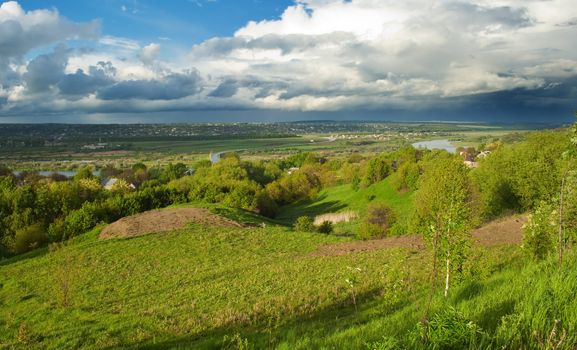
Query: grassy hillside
[203,287]
[193,286]
[344,198]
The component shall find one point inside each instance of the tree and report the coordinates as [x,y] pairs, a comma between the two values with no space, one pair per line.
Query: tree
[442,213]
[378,169]
[406,177]
[173,172]
[139,166]
[84,172]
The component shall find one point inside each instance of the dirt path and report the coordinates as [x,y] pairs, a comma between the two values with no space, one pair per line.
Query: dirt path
[163,220]
[506,231]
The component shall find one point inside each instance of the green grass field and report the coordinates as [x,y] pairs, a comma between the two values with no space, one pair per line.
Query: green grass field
[205,287]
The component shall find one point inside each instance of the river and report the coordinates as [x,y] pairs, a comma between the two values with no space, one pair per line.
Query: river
[436,144]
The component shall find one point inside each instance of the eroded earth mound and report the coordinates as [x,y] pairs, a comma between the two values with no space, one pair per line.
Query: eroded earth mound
[155,221]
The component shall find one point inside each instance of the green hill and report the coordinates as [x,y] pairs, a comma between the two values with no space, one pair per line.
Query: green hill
[344,198]
[204,287]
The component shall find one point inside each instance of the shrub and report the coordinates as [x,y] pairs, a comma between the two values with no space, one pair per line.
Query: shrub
[299,185]
[377,222]
[387,343]
[120,186]
[29,238]
[304,224]
[448,329]
[539,231]
[325,227]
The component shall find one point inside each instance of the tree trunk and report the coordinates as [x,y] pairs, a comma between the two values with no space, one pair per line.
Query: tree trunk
[561,242]
[447,277]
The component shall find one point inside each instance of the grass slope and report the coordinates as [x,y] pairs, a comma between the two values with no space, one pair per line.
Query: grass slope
[192,286]
[205,288]
[344,198]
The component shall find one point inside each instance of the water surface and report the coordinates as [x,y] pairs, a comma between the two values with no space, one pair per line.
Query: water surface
[436,144]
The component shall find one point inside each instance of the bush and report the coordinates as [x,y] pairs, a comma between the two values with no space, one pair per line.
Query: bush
[377,222]
[304,224]
[325,227]
[448,329]
[29,238]
[539,231]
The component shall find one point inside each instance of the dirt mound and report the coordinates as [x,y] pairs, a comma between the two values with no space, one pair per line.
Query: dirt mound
[163,220]
[499,232]
[503,231]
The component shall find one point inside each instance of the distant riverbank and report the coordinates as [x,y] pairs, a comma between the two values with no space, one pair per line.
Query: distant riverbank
[436,144]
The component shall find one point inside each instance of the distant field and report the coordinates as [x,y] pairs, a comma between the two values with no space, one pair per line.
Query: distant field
[196,146]
[164,149]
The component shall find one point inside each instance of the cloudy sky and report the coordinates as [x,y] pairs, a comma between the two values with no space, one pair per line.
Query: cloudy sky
[205,60]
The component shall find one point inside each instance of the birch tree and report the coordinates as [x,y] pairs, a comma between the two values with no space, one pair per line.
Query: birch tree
[443,214]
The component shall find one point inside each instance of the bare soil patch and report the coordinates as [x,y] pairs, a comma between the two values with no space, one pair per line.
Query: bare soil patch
[156,221]
[508,230]
[412,241]
[505,231]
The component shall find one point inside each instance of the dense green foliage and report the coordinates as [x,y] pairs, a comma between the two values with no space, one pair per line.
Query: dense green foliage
[520,176]
[377,222]
[304,224]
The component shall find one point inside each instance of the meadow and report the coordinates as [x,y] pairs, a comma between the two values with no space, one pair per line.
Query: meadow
[261,288]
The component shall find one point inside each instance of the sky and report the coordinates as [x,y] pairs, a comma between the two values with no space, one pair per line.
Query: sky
[258,60]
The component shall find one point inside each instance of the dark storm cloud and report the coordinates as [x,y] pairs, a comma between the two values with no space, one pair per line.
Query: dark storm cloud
[228,88]
[80,83]
[170,87]
[46,70]
[555,102]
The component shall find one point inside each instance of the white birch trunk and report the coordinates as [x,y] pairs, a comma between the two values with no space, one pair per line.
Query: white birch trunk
[447,278]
